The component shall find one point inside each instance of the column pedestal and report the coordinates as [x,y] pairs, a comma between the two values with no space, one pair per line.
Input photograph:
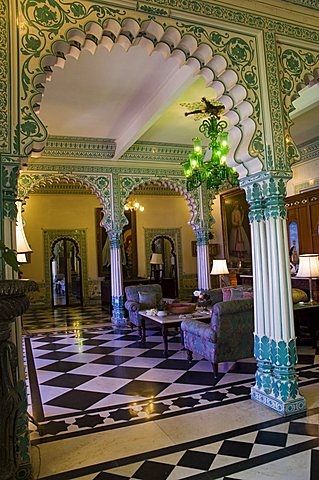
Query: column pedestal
[14,436]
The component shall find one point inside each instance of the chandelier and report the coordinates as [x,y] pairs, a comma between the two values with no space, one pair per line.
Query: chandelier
[212,166]
[133,205]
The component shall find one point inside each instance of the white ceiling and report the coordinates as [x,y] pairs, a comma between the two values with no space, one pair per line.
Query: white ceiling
[130,96]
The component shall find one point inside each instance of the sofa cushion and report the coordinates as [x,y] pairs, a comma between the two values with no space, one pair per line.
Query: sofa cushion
[226,293]
[298,295]
[241,293]
[237,293]
[147,299]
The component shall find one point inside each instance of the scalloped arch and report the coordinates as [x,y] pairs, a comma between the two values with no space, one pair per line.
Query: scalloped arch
[130,184]
[309,80]
[75,241]
[170,43]
[98,185]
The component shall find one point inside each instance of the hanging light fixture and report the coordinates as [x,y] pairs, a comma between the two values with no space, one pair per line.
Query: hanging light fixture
[23,246]
[133,205]
[212,166]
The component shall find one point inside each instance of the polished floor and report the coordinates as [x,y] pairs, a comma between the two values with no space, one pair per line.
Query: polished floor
[107,407]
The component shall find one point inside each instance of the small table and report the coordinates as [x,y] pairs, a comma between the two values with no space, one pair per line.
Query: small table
[310,313]
[169,320]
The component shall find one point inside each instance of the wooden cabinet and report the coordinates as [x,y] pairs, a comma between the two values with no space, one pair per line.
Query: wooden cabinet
[303,210]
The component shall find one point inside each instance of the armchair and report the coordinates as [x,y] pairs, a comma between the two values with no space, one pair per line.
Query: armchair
[141,297]
[228,337]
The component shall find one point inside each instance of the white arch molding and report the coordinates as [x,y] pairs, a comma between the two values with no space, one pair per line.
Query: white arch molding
[189,59]
[191,198]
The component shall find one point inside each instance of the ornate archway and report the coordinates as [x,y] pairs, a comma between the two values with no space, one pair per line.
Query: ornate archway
[50,34]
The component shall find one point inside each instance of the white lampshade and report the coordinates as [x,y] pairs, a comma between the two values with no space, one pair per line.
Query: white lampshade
[157,259]
[308,265]
[22,258]
[219,267]
[21,240]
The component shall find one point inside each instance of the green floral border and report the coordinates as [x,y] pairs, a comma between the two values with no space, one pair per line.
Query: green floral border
[5,120]
[45,24]
[79,236]
[298,67]
[314,4]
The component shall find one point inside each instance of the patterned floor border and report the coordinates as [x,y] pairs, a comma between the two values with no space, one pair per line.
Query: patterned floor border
[217,456]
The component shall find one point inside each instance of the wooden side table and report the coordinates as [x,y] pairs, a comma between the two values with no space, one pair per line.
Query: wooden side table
[307,313]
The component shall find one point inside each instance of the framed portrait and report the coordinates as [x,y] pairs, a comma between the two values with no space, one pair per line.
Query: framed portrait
[129,247]
[236,229]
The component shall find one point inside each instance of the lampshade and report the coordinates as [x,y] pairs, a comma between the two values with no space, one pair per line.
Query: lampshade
[22,243]
[156,259]
[219,267]
[308,265]
[22,258]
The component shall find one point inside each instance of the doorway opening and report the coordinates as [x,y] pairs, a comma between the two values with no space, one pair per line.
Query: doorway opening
[66,273]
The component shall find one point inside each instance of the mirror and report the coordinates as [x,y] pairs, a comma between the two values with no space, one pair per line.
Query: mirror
[66,278]
[165,246]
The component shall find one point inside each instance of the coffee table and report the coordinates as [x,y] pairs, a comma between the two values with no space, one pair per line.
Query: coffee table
[168,321]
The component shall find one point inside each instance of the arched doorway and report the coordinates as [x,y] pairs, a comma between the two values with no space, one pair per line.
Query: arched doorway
[66,273]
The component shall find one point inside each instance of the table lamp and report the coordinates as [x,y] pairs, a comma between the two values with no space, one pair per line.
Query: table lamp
[156,260]
[219,268]
[309,268]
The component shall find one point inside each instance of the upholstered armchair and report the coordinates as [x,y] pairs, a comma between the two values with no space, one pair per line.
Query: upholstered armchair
[228,336]
[141,297]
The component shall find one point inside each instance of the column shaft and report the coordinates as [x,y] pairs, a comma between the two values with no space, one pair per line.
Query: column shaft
[118,317]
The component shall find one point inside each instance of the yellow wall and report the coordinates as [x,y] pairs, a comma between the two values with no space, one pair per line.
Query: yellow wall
[165,212]
[58,212]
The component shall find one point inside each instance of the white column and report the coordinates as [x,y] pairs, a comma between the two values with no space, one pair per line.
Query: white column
[117,279]
[275,347]
[203,266]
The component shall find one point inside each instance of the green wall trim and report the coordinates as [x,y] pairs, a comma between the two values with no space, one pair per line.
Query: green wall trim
[308,150]
[79,147]
[235,16]
[79,236]
[314,4]
[5,81]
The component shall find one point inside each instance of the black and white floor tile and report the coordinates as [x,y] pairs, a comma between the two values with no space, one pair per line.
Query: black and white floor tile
[246,454]
[97,380]
[42,319]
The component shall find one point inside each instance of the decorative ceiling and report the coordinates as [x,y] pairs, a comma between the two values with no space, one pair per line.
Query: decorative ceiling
[131,96]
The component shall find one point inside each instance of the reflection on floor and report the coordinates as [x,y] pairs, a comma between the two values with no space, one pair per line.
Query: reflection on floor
[110,407]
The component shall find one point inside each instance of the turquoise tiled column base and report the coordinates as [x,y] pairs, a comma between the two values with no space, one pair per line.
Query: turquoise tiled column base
[289,407]
[276,380]
[118,318]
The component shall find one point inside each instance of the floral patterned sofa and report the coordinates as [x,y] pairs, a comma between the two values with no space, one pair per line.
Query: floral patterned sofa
[141,297]
[229,335]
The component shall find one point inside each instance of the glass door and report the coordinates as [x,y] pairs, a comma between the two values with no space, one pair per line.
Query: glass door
[66,273]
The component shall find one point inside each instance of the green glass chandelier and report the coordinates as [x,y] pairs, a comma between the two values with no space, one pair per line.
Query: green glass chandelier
[212,166]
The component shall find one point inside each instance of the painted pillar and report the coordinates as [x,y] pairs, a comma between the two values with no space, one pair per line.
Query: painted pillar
[205,198]
[118,318]
[9,176]
[203,265]
[275,346]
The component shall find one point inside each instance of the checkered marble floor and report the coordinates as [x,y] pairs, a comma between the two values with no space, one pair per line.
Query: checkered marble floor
[95,380]
[246,454]
[41,319]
